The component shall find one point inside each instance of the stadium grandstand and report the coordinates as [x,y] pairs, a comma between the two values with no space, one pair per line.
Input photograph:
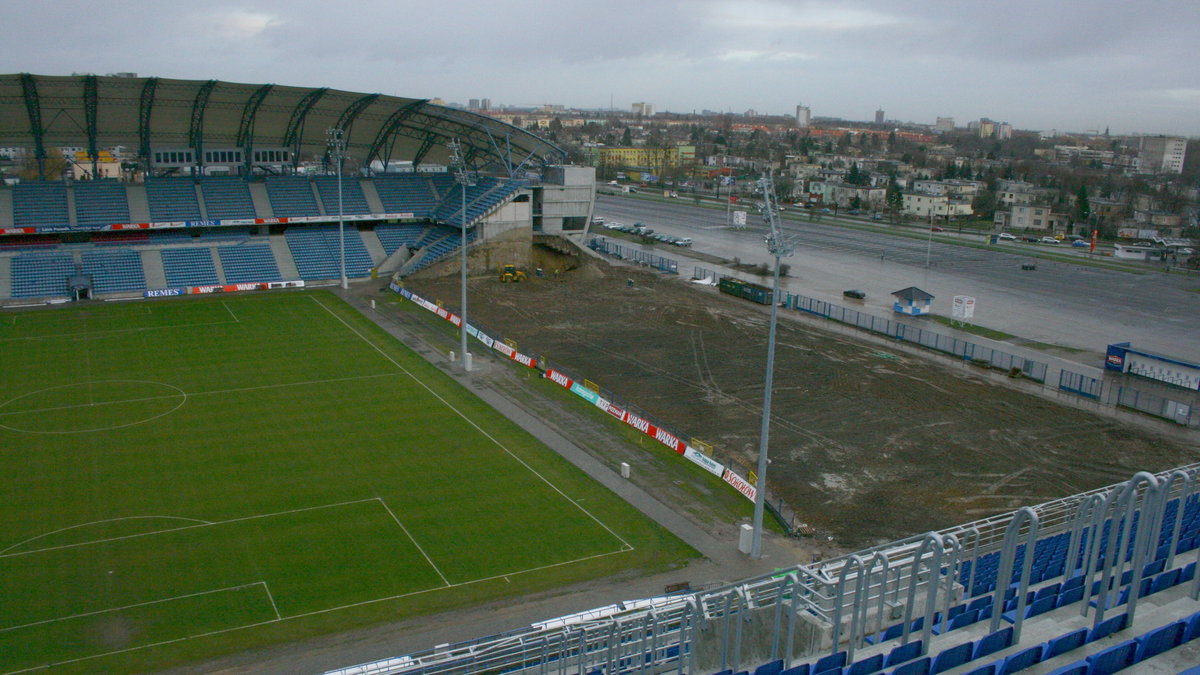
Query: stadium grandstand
[134,185]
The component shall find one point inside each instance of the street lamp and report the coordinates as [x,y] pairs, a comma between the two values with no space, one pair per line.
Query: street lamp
[465,179]
[337,152]
[780,247]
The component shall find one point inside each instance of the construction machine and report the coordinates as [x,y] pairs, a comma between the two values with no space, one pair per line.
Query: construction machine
[511,273]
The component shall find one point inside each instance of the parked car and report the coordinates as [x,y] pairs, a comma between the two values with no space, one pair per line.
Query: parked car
[1050,240]
[935,228]
[1005,235]
[854,293]
[683,241]
[1079,243]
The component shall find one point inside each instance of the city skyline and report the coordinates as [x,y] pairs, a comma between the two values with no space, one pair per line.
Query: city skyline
[1069,66]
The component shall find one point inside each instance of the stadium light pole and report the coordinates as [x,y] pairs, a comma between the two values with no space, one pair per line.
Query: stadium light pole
[337,151]
[780,247]
[465,180]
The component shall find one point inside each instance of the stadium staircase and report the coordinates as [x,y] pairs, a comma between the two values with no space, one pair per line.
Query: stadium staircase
[283,257]
[152,267]
[5,278]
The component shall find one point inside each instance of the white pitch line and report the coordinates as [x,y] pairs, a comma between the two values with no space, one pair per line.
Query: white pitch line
[468,420]
[271,597]
[187,527]
[99,522]
[138,604]
[236,390]
[227,308]
[414,541]
[115,331]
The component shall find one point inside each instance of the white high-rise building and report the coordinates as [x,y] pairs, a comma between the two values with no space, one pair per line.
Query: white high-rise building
[803,116]
[643,109]
[879,116]
[944,124]
[1161,154]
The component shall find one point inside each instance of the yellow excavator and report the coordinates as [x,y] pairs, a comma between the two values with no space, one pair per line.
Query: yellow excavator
[511,273]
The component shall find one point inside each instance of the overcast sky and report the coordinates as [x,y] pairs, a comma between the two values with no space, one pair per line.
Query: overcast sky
[1070,65]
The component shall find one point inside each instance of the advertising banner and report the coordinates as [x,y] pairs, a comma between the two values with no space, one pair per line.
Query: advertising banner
[163,292]
[455,319]
[740,484]
[705,462]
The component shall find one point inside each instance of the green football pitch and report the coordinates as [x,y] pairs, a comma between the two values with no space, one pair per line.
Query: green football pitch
[186,478]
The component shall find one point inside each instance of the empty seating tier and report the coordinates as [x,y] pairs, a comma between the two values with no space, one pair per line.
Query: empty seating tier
[353,199]
[189,266]
[316,252]
[114,271]
[412,193]
[227,198]
[249,262]
[291,196]
[172,199]
[393,236]
[100,202]
[40,204]
[37,275]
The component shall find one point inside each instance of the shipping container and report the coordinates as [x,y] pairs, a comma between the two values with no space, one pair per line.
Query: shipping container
[745,289]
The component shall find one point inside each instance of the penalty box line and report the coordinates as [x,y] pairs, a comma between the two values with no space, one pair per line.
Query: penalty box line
[159,601]
[623,549]
[476,426]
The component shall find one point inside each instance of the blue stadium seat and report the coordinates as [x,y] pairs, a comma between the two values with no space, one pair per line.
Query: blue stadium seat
[1108,627]
[1113,659]
[986,669]
[866,666]
[993,642]
[1069,597]
[828,662]
[802,669]
[903,653]
[770,668]
[1065,643]
[918,667]
[952,657]
[1160,640]
[1021,660]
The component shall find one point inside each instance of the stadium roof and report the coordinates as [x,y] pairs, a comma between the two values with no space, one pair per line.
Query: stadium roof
[98,112]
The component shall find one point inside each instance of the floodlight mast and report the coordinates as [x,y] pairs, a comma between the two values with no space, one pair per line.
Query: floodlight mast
[465,179]
[337,152]
[780,247]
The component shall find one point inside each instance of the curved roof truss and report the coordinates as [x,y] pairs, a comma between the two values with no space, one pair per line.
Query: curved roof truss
[36,111]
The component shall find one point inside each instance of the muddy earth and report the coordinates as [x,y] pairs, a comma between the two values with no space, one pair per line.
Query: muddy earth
[868,443]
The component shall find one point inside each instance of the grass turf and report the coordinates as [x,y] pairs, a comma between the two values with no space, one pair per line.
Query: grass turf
[190,478]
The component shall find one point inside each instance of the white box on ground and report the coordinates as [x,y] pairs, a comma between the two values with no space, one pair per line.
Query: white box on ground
[468,361]
[746,538]
[624,469]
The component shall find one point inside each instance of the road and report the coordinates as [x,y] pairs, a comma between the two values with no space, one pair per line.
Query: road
[1061,303]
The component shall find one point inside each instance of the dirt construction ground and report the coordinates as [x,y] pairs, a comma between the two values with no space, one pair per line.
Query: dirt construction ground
[869,442]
